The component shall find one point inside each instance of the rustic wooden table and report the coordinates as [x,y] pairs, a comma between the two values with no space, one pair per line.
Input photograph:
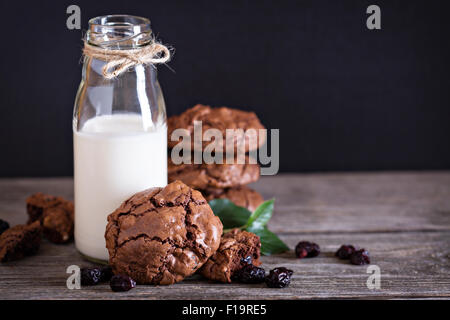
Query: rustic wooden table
[403,219]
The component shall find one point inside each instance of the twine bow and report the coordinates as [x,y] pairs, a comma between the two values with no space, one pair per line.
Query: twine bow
[118,61]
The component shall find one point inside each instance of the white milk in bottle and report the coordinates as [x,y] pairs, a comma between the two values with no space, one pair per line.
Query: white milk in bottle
[119,125]
[114,158]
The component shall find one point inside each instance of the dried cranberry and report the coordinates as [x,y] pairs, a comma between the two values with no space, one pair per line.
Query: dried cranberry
[250,274]
[90,276]
[279,277]
[345,251]
[106,274]
[306,249]
[120,283]
[3,226]
[247,260]
[360,257]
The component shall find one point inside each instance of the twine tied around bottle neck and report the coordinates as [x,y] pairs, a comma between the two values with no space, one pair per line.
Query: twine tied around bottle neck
[118,61]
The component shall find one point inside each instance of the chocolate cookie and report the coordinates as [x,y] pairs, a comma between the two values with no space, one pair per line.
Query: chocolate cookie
[233,254]
[241,196]
[55,214]
[162,235]
[204,176]
[20,241]
[221,119]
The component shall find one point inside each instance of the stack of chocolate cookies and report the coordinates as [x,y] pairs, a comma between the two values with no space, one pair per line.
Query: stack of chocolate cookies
[227,180]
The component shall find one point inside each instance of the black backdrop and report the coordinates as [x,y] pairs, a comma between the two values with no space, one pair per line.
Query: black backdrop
[343,97]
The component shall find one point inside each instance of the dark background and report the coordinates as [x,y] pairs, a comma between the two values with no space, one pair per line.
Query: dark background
[344,97]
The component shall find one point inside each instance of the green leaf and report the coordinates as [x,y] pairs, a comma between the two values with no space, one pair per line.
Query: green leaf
[270,243]
[233,216]
[261,215]
[230,214]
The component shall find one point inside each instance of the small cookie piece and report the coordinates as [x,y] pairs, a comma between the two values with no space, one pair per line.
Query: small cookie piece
[221,119]
[235,248]
[38,202]
[20,241]
[55,214]
[241,196]
[204,176]
[162,235]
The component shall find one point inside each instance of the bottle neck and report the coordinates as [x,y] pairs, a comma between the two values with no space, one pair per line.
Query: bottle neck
[119,32]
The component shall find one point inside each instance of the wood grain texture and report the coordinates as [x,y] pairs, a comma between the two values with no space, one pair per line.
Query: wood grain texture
[403,219]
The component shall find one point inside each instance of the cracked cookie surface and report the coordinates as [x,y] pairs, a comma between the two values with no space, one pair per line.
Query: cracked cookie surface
[162,235]
[204,176]
[221,119]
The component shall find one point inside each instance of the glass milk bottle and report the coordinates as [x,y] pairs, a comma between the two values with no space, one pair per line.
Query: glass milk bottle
[119,128]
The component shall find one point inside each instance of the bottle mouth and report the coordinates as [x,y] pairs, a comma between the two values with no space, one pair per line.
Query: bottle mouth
[119,31]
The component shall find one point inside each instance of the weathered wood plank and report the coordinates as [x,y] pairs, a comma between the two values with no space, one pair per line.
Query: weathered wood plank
[308,203]
[414,264]
[402,218]
[13,193]
[371,202]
